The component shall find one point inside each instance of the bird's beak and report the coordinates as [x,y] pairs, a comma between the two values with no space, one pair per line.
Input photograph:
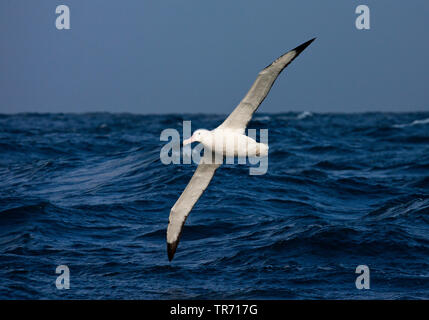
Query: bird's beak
[188,141]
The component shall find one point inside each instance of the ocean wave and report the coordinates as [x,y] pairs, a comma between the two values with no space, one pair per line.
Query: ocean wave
[261,119]
[90,191]
[303,115]
[414,123]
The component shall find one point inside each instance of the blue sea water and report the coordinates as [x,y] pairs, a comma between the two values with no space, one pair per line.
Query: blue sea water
[89,191]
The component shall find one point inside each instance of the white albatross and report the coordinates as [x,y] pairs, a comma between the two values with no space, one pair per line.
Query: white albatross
[232,129]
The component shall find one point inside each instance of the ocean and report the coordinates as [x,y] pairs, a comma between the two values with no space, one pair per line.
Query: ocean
[89,191]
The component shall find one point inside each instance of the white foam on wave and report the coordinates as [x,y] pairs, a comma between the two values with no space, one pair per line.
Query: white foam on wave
[262,119]
[304,115]
[415,122]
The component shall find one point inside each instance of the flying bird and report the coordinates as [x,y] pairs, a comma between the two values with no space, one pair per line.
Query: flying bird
[231,130]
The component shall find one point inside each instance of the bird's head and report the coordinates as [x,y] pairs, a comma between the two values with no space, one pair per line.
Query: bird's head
[198,136]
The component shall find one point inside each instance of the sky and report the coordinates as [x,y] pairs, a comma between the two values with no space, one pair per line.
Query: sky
[198,56]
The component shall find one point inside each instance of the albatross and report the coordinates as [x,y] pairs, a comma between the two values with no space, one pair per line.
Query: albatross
[231,130]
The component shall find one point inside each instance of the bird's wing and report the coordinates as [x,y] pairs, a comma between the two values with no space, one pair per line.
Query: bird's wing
[180,211]
[242,114]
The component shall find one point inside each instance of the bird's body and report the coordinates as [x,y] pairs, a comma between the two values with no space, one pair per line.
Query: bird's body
[231,143]
[227,140]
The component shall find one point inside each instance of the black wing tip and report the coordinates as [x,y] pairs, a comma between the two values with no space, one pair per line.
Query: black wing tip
[297,50]
[303,46]
[171,249]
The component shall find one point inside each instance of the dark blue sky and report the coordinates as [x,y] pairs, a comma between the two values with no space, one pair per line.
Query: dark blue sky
[202,56]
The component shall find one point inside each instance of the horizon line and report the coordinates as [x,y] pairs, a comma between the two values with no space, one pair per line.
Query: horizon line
[206,113]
